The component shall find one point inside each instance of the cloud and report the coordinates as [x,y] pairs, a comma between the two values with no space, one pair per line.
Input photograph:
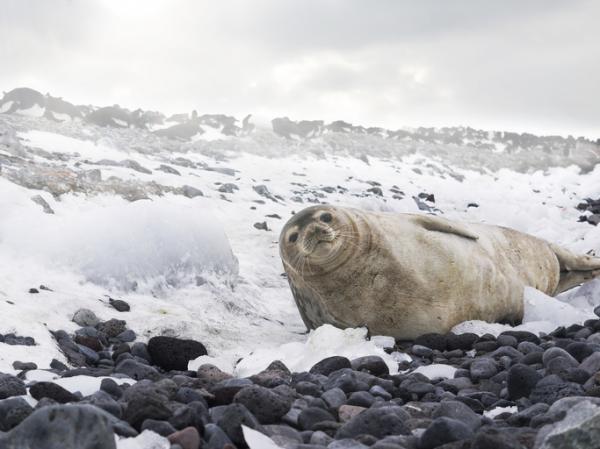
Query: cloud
[502,65]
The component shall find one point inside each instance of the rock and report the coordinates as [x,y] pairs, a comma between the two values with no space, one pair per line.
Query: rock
[127,336]
[361,398]
[379,422]
[140,350]
[163,428]
[311,416]
[85,317]
[330,364]
[12,412]
[11,386]
[334,398]
[521,380]
[173,353]
[432,341]
[62,427]
[225,391]
[268,407]
[119,305]
[459,411]
[191,192]
[24,366]
[443,431]
[483,368]
[346,380]
[215,437]
[556,352]
[145,403]
[231,421]
[591,364]
[579,429]
[347,412]
[210,374]
[137,370]
[261,226]
[187,438]
[461,341]
[39,200]
[112,327]
[53,391]
[372,364]
[552,388]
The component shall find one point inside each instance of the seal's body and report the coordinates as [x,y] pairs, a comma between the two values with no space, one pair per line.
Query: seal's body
[405,275]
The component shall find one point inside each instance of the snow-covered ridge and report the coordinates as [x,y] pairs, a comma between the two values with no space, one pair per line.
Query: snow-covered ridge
[464,146]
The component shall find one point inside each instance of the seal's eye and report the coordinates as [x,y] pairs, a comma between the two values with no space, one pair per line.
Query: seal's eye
[326,217]
[293,237]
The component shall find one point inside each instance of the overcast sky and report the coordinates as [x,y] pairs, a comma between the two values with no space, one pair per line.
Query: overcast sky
[512,64]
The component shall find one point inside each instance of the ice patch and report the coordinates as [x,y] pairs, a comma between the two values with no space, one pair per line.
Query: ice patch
[145,440]
[256,440]
[543,314]
[499,410]
[34,111]
[323,342]
[141,246]
[6,106]
[436,371]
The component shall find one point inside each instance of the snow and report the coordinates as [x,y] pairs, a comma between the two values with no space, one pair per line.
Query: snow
[499,410]
[542,314]
[256,440]
[145,440]
[436,371]
[163,245]
[325,341]
[34,111]
[251,314]
[6,106]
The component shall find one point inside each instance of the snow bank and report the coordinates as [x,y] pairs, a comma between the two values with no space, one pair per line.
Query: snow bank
[323,342]
[542,314]
[127,246]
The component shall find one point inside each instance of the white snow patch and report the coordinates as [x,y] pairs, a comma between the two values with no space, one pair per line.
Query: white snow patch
[323,342]
[145,440]
[499,410]
[256,440]
[34,111]
[129,246]
[6,106]
[543,314]
[436,371]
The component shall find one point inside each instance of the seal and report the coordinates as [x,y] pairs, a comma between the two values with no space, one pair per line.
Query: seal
[405,275]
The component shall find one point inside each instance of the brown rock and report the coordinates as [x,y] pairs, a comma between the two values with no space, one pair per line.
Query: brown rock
[187,438]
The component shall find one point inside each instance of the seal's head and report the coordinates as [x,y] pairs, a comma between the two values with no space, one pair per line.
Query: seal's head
[318,240]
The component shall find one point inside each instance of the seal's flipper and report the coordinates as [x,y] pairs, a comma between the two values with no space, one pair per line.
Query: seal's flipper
[570,279]
[574,262]
[438,224]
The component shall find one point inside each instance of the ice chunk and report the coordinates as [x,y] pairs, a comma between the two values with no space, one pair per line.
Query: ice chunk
[323,342]
[256,440]
[128,246]
[145,440]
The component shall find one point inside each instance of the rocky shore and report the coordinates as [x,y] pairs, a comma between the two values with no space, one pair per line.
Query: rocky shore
[517,390]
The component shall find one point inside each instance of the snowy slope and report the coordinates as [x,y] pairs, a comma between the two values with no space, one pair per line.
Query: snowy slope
[130,222]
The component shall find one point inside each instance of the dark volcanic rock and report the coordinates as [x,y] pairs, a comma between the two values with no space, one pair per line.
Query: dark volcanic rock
[53,391]
[11,386]
[62,427]
[12,412]
[521,380]
[268,407]
[329,365]
[231,421]
[379,422]
[442,431]
[173,353]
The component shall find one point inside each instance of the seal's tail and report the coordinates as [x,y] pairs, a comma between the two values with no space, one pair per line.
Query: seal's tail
[575,269]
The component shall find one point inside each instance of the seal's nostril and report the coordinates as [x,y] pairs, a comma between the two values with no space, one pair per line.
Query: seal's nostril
[293,237]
